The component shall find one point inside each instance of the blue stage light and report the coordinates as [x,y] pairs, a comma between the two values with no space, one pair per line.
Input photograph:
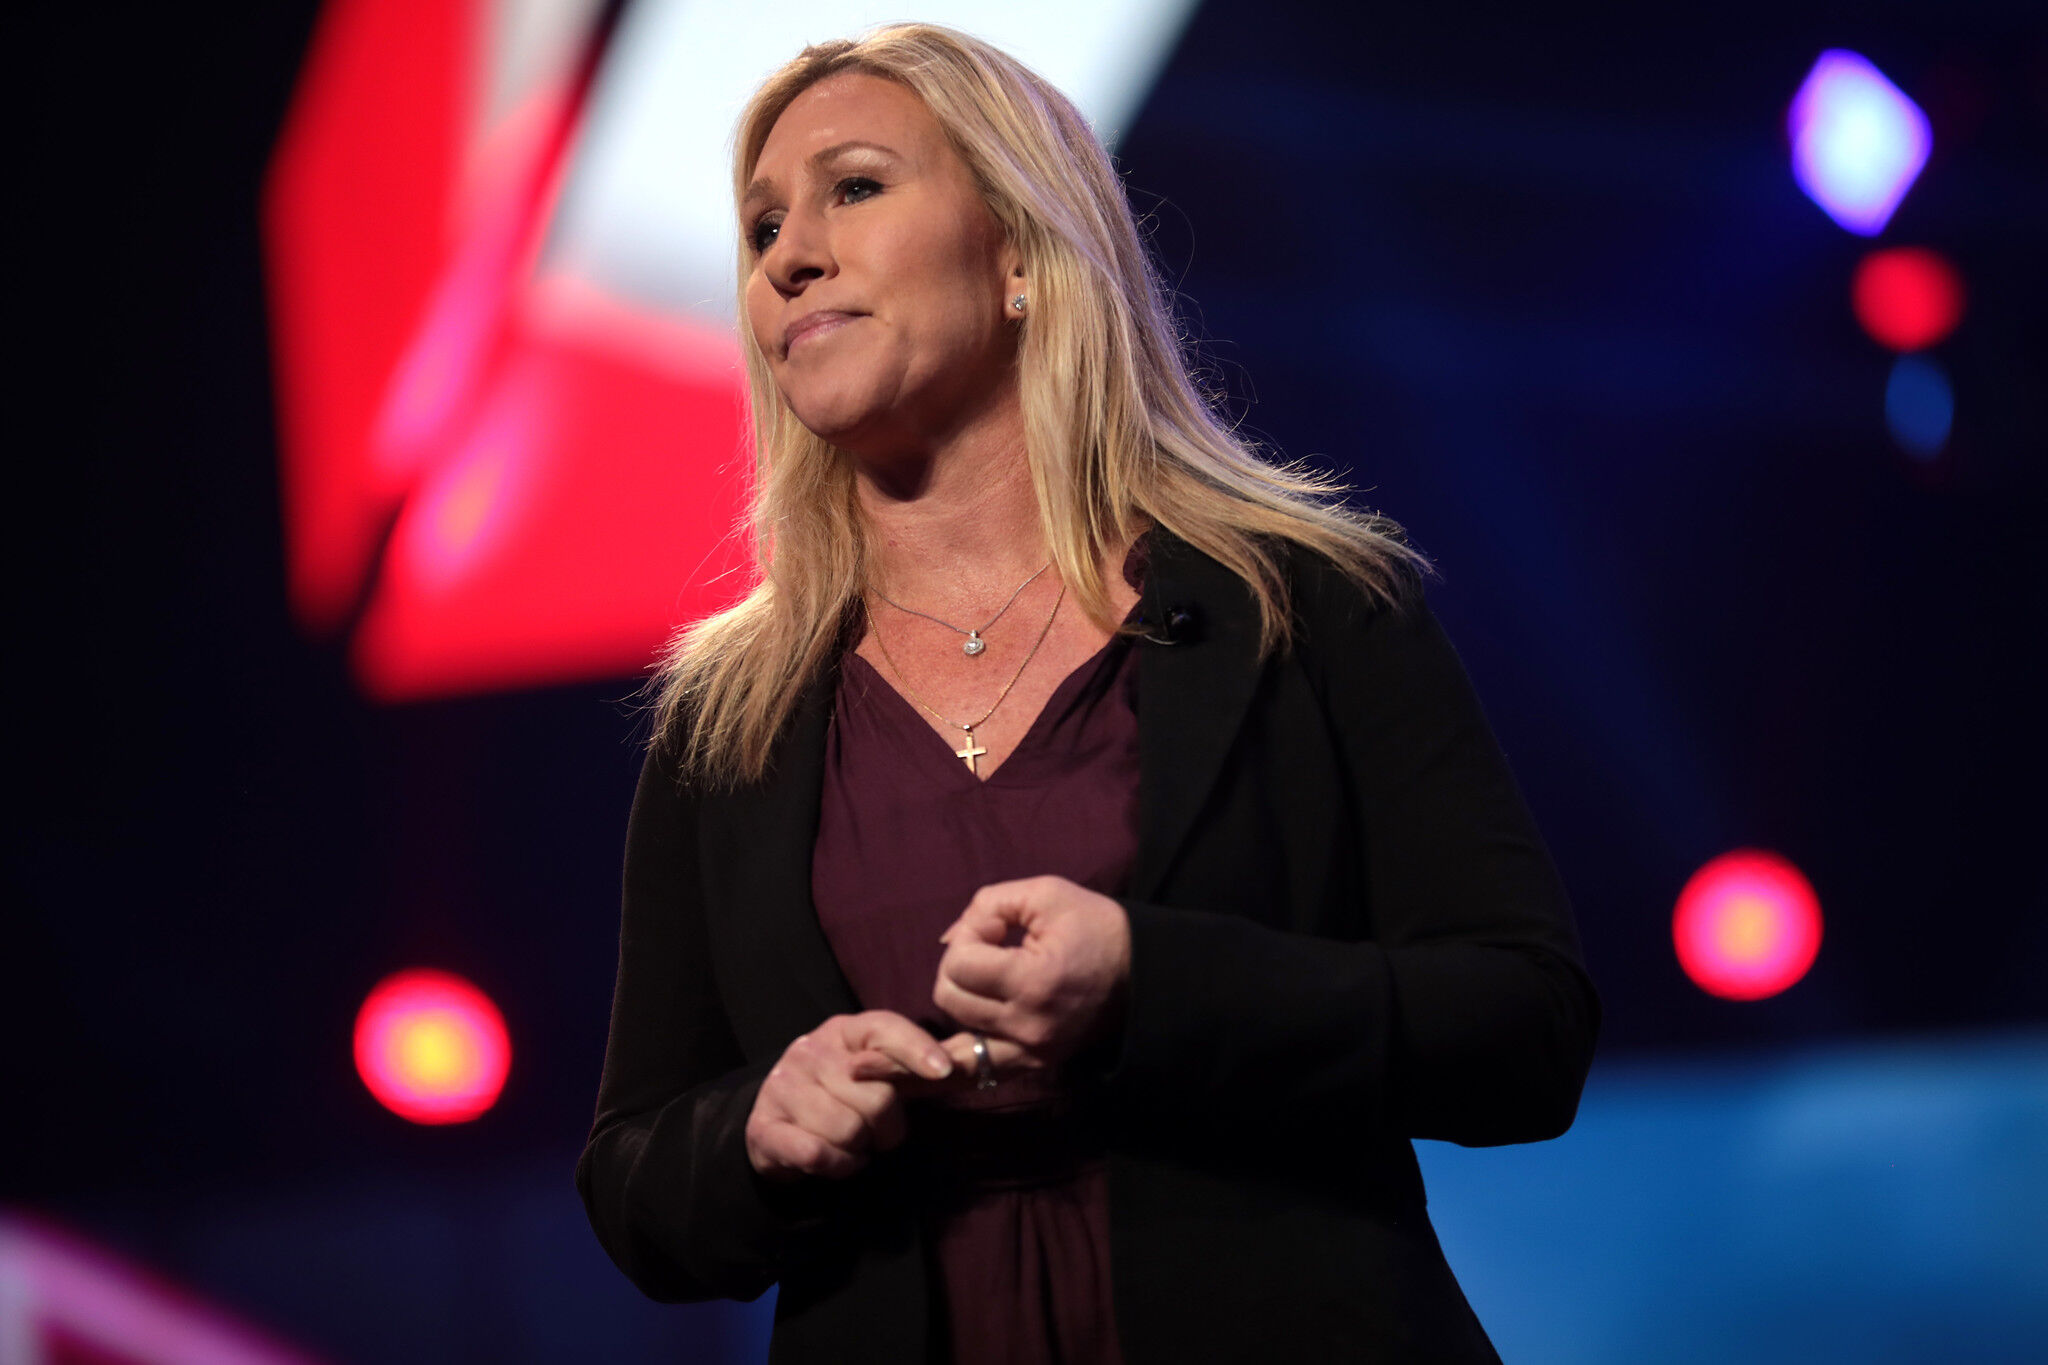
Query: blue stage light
[1919,405]
[1857,142]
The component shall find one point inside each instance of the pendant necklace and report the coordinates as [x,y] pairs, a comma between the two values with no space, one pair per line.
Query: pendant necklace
[974,644]
[970,751]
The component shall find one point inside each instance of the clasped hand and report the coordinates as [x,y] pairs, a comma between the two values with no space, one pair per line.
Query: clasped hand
[1037,966]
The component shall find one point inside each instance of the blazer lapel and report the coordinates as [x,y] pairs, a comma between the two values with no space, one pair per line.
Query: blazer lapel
[757,866]
[1192,695]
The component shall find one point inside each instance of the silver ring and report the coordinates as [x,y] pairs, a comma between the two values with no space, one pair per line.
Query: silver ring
[984,1067]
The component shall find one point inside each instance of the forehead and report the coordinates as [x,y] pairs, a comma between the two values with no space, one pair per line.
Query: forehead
[852,105]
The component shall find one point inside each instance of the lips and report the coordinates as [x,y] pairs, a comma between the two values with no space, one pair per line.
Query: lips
[814,323]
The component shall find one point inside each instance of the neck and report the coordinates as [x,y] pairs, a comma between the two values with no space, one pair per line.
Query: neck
[957,522]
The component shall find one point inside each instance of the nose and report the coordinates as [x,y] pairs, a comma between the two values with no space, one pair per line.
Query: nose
[800,253]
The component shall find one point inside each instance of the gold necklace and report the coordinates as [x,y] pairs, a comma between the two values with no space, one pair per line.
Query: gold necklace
[970,751]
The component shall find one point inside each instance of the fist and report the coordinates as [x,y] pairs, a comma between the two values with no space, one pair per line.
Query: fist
[1053,991]
[835,1097]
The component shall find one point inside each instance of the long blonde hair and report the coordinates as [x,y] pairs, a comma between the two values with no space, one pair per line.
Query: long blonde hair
[1116,433]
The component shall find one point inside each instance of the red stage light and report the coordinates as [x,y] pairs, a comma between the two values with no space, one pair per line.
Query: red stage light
[1747,925]
[431,1047]
[1907,297]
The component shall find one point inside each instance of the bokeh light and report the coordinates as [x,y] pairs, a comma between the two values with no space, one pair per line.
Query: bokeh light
[431,1047]
[1919,405]
[1858,142]
[1747,925]
[1907,297]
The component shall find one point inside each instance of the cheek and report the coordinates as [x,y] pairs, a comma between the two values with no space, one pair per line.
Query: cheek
[943,280]
[762,307]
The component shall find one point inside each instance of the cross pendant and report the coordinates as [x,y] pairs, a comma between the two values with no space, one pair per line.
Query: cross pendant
[970,753]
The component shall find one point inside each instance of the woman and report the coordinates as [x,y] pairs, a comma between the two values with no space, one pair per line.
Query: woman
[1061,888]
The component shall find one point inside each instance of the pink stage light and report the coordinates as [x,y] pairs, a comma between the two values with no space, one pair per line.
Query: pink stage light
[1907,297]
[1747,925]
[431,1047]
[66,1301]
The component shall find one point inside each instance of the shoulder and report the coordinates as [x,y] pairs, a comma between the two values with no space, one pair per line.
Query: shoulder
[1374,650]
[1331,603]
[663,783]
[674,772]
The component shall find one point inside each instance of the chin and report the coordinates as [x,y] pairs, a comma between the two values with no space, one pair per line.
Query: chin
[840,418]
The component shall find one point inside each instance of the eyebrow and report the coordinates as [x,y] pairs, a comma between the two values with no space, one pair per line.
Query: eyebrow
[764,188]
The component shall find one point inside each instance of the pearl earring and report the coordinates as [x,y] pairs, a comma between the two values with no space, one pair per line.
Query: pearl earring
[1019,303]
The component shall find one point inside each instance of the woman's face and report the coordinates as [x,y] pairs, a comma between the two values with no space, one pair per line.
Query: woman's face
[880,278]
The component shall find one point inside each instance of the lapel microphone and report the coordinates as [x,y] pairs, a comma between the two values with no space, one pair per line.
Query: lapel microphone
[1178,624]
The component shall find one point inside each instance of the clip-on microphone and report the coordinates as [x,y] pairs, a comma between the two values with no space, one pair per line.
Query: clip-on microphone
[1182,626]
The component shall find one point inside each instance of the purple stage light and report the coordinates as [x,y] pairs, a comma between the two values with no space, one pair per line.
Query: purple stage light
[1857,142]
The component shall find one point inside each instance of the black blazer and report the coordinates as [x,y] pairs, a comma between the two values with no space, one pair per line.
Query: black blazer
[1346,933]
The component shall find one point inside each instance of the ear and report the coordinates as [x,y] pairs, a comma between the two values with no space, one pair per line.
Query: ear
[1012,262]
[1014,285]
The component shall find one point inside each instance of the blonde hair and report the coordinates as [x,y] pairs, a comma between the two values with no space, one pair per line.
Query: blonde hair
[1116,433]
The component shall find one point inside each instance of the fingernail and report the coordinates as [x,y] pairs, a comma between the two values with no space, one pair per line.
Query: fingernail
[939,1064]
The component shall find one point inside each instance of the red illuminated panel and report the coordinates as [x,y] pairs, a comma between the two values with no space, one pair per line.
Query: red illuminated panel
[491,476]
[358,214]
[1747,925]
[1907,297]
[431,1047]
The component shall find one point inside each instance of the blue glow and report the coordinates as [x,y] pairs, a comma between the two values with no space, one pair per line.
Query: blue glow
[1857,142]
[1871,1201]
[1919,406]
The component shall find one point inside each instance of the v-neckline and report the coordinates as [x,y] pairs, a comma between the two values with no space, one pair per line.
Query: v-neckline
[1080,672]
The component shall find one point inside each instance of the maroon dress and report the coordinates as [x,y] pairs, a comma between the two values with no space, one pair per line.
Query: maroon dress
[1013,1190]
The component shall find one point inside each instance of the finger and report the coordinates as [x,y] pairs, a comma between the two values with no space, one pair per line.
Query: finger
[908,1085]
[987,919]
[999,907]
[888,1032]
[796,1149]
[826,1115]
[918,1088]
[968,1009]
[1003,1054]
[978,969]
[876,1065]
[872,1103]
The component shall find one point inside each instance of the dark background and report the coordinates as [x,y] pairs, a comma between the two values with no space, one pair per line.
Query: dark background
[1541,281]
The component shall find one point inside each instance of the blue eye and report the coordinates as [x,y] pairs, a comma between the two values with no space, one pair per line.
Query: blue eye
[762,235]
